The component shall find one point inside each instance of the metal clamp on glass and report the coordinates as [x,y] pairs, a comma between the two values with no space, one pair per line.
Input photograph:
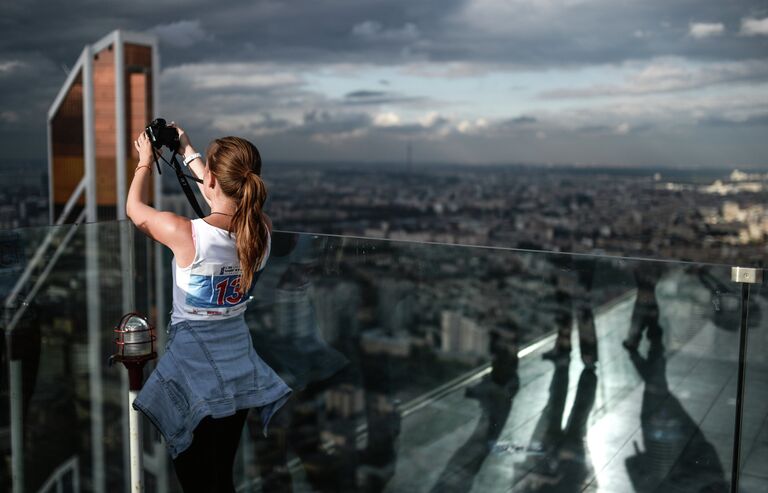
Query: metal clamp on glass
[746,275]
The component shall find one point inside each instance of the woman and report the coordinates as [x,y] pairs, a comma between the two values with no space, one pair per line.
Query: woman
[199,394]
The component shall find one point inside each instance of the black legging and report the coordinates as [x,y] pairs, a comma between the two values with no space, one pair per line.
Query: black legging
[206,466]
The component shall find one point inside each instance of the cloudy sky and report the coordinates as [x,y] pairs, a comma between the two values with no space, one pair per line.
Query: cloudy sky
[608,82]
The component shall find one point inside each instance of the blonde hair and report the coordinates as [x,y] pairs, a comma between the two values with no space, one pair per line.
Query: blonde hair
[236,164]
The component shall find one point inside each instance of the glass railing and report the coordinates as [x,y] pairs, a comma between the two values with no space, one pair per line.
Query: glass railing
[415,367]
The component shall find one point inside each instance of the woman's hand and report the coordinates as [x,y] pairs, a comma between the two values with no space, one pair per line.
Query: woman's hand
[144,148]
[184,142]
[185,149]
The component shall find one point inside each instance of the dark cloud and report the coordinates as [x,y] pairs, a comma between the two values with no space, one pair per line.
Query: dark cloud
[269,124]
[520,120]
[377,31]
[182,34]
[328,122]
[595,129]
[365,94]
[223,43]
[365,97]
[25,97]
[620,129]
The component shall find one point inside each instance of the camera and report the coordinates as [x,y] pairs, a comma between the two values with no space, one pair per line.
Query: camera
[160,134]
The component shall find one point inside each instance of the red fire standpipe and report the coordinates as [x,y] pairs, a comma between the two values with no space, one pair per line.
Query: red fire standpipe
[135,345]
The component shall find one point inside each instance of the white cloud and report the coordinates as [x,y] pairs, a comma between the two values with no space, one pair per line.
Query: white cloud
[374,31]
[259,124]
[622,129]
[222,81]
[431,119]
[386,120]
[230,75]
[701,30]
[181,34]
[754,27]
[472,127]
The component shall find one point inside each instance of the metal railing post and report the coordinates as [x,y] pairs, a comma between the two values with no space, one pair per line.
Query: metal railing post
[745,277]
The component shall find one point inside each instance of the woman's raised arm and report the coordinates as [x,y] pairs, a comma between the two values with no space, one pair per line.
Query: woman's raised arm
[171,230]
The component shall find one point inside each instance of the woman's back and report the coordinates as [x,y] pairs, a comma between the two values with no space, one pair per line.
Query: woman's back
[209,287]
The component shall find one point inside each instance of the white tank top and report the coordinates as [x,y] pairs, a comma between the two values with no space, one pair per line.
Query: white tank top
[207,288]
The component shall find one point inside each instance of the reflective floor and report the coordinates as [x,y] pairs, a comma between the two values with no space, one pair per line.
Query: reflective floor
[659,419]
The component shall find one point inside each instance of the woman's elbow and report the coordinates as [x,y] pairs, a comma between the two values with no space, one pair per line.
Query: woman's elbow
[130,211]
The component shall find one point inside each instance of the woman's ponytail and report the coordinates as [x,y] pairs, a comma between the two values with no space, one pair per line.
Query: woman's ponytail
[250,228]
[236,163]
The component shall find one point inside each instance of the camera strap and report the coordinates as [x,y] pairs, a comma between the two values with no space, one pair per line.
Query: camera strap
[182,177]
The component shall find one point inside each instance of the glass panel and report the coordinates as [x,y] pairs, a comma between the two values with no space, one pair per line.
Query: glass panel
[72,406]
[416,367]
[664,412]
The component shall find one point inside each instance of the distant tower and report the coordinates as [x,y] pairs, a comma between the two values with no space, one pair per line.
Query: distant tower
[409,155]
[108,98]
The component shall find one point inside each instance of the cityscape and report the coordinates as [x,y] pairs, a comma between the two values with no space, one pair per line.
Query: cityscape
[715,216]
[701,215]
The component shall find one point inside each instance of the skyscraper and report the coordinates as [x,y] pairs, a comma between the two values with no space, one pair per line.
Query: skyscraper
[108,98]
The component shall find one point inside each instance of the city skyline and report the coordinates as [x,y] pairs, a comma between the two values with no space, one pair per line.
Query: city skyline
[562,81]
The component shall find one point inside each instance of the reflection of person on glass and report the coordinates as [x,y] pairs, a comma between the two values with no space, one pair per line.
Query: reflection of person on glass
[495,395]
[300,355]
[561,460]
[574,295]
[645,313]
[210,374]
[677,456]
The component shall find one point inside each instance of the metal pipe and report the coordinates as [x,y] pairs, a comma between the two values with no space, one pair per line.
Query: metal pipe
[49,153]
[92,279]
[121,151]
[137,483]
[17,426]
[129,305]
[89,137]
[95,356]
